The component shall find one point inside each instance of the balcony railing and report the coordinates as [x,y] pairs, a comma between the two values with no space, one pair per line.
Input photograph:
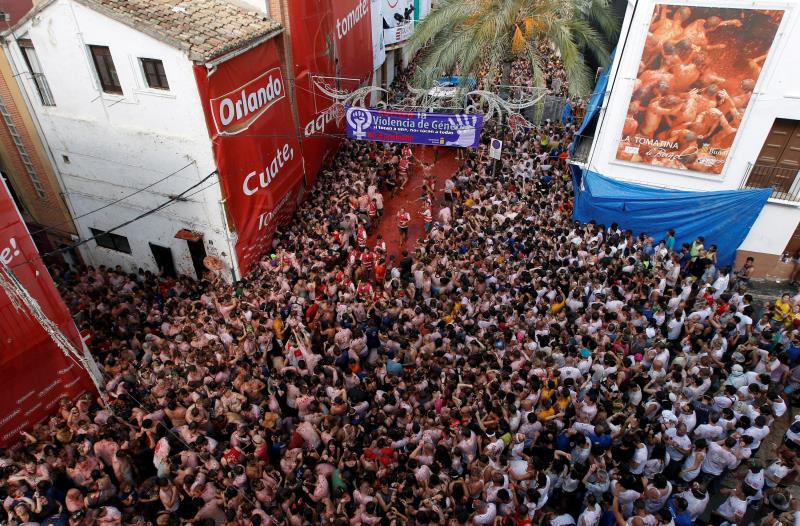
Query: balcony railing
[45,95]
[784,181]
[583,145]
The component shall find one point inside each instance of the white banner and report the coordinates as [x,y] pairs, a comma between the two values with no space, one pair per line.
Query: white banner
[378,47]
[495,149]
[398,34]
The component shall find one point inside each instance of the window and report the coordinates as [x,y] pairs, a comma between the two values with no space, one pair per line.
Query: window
[111,241]
[778,164]
[154,73]
[106,72]
[39,80]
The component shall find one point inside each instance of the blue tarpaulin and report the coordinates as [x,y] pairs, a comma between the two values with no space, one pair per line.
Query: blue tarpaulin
[593,107]
[597,96]
[566,113]
[723,218]
[454,80]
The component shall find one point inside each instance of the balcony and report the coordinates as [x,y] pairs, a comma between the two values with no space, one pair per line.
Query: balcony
[783,180]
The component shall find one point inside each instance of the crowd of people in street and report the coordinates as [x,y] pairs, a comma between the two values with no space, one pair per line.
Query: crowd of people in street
[511,366]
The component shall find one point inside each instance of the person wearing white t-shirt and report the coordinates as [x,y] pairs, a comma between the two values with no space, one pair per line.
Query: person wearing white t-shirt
[711,430]
[719,458]
[675,325]
[591,514]
[776,472]
[744,323]
[697,500]
[565,519]
[678,443]
[721,283]
[734,507]
[639,458]
[758,431]
[485,514]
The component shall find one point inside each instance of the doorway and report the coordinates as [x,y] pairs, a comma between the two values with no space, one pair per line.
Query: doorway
[163,257]
[793,246]
[198,252]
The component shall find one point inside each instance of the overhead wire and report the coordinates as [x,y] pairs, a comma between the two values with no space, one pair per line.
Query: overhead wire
[163,205]
[140,190]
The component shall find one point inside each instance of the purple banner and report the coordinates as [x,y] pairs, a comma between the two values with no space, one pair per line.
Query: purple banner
[441,129]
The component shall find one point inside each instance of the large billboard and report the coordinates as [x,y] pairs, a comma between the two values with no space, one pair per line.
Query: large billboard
[398,20]
[255,144]
[35,373]
[696,76]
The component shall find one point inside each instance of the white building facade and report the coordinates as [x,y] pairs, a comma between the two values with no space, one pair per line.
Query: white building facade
[126,132]
[399,17]
[774,106]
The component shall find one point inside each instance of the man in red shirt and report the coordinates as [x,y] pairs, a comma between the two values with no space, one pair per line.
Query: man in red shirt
[361,237]
[380,272]
[364,290]
[403,219]
[372,211]
[367,263]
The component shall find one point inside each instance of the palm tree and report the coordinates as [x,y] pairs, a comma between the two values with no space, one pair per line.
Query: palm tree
[467,35]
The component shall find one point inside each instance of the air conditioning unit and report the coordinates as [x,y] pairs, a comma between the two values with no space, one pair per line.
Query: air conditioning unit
[5,16]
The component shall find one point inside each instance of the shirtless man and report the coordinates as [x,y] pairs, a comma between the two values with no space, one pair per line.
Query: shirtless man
[656,111]
[663,32]
[710,77]
[653,80]
[687,73]
[706,123]
[743,99]
[697,102]
[697,31]
[645,95]
[727,104]
[686,139]
[756,64]
[729,123]
[667,29]
[630,127]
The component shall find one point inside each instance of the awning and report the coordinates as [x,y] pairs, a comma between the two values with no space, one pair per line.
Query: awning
[188,235]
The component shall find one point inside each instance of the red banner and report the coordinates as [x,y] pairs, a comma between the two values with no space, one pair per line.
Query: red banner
[330,40]
[353,26]
[258,156]
[34,371]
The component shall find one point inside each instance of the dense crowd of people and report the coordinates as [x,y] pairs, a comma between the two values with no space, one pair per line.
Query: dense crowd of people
[511,366]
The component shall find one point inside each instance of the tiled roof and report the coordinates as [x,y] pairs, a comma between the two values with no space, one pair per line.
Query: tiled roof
[205,29]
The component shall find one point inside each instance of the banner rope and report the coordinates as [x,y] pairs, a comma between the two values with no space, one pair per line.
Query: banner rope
[20,297]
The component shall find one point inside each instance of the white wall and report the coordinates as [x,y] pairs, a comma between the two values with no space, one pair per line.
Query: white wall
[777,95]
[377,79]
[388,66]
[115,144]
[773,228]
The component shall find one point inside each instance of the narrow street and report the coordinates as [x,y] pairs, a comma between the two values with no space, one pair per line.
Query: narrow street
[409,198]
